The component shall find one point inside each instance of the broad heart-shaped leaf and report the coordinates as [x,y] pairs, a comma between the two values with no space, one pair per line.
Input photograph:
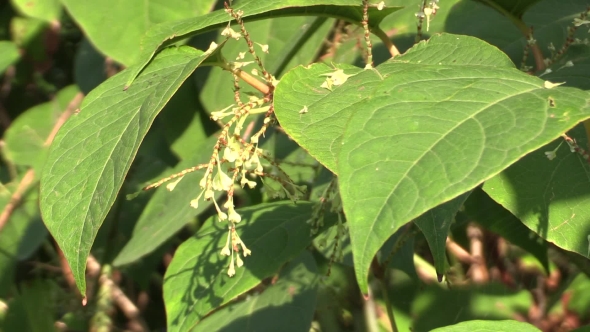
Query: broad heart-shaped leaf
[413,134]
[196,281]
[489,325]
[165,34]
[549,196]
[168,211]
[287,305]
[93,151]
[435,224]
[115,27]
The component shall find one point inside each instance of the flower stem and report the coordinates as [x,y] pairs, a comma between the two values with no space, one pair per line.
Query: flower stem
[388,304]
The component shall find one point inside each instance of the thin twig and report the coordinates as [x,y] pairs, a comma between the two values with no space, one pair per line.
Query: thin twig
[17,197]
[365,23]
[479,272]
[388,305]
[461,254]
[127,306]
[370,312]
[252,81]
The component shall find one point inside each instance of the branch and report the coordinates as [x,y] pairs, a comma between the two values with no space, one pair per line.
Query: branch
[128,308]
[386,41]
[479,271]
[252,81]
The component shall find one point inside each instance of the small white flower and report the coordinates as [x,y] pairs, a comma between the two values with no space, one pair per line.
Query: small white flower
[225,251]
[231,271]
[239,261]
[233,215]
[550,155]
[230,33]
[263,47]
[170,186]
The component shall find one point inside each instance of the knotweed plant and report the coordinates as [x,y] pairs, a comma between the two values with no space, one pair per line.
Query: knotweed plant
[236,158]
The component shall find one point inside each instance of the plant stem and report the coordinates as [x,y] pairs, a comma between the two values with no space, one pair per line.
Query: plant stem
[388,304]
[380,272]
[253,82]
[386,41]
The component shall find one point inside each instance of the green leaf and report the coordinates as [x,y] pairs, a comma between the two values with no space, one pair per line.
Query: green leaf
[291,41]
[168,211]
[579,298]
[287,305]
[117,31]
[548,195]
[89,67]
[510,8]
[20,236]
[185,123]
[390,132]
[480,208]
[29,34]
[46,10]
[549,18]
[573,69]
[196,281]
[93,151]
[31,309]
[163,35]
[489,325]
[403,258]
[26,136]
[434,306]
[435,224]
[8,54]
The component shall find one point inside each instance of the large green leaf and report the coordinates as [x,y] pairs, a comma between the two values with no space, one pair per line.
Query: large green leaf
[549,196]
[8,54]
[196,281]
[489,325]
[420,130]
[47,10]
[166,34]
[116,27]
[167,212]
[287,305]
[510,8]
[93,151]
[435,225]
